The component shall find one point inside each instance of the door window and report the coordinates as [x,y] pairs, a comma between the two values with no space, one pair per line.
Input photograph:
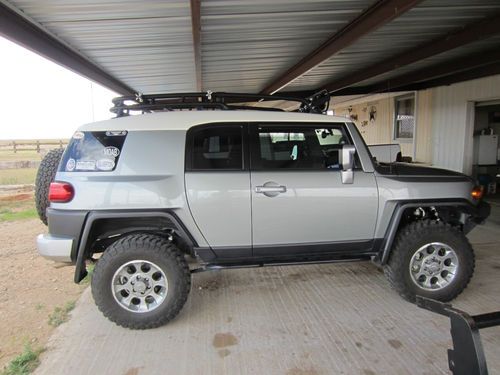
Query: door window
[215,148]
[314,148]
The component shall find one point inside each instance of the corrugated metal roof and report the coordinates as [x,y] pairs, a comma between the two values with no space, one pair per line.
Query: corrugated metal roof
[146,44]
[245,44]
[427,21]
[457,53]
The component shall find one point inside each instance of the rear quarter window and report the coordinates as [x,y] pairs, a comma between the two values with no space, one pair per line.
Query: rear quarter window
[93,151]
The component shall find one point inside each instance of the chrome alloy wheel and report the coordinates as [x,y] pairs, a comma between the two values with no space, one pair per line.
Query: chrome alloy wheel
[434,266]
[139,286]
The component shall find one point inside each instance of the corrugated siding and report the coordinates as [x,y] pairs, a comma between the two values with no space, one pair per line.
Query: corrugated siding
[452,138]
[379,131]
[423,137]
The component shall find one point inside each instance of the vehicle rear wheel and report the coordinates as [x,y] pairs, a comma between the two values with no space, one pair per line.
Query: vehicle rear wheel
[44,176]
[430,259]
[141,281]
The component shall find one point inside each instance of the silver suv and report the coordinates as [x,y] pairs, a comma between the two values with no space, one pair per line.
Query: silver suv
[237,188]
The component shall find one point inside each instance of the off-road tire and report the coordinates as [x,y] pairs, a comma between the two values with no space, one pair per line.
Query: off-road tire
[44,176]
[152,248]
[416,235]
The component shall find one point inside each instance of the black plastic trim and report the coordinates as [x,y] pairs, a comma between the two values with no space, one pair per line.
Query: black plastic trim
[66,223]
[362,247]
[401,206]
[81,272]
[428,178]
[290,253]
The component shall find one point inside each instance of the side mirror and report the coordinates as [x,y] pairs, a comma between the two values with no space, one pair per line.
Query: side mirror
[347,173]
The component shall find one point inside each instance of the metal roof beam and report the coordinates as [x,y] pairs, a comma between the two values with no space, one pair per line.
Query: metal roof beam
[196,26]
[432,73]
[22,31]
[481,29]
[377,15]
[479,72]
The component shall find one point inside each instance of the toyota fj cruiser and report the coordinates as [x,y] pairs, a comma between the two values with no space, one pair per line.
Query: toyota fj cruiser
[202,176]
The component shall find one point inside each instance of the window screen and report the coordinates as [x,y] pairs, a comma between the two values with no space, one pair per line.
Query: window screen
[298,148]
[404,117]
[217,148]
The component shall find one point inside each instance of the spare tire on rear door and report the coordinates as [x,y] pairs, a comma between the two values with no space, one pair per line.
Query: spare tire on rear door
[45,175]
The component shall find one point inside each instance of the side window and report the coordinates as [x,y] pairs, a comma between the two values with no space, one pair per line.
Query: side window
[217,148]
[298,147]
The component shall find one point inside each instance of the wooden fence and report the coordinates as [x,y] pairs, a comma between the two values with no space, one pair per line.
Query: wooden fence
[36,145]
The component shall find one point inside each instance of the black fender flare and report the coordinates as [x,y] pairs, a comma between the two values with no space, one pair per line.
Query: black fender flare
[95,216]
[478,213]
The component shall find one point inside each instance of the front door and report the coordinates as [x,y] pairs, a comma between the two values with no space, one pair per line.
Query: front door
[299,204]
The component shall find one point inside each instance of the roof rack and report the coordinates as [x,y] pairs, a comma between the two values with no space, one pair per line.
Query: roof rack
[122,106]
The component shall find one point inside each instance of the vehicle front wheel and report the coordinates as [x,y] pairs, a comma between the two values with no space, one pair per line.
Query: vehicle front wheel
[430,259]
[141,281]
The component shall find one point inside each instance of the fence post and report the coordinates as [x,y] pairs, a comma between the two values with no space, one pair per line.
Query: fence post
[60,143]
[14,145]
[38,146]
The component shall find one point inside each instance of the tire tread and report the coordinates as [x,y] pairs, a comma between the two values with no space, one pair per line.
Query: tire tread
[151,243]
[408,235]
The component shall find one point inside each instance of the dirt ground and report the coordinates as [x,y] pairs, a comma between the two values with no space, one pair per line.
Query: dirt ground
[30,288]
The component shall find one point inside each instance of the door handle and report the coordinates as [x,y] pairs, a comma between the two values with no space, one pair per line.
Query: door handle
[270,189]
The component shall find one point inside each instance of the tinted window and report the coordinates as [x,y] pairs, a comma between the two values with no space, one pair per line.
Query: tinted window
[93,151]
[281,147]
[217,148]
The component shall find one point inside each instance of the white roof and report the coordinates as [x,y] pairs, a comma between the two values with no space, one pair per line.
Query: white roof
[183,120]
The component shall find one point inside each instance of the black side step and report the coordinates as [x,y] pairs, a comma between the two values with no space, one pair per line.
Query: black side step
[224,266]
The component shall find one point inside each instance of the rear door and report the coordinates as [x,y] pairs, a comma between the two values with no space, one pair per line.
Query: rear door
[218,186]
[299,204]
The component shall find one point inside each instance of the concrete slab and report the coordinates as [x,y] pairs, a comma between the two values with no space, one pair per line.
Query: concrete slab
[300,320]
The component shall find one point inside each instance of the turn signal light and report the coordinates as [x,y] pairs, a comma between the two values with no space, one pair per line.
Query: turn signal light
[61,192]
[477,192]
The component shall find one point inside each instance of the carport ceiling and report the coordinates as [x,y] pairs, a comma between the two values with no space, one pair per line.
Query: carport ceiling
[346,46]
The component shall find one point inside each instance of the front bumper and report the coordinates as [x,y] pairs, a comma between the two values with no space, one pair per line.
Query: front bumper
[55,248]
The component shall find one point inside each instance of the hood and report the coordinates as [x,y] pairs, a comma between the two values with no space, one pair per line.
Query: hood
[418,171]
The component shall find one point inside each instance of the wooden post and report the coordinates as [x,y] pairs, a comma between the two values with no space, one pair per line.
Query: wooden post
[60,143]
[38,146]
[14,145]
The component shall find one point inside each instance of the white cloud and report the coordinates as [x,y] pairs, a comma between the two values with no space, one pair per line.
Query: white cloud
[40,99]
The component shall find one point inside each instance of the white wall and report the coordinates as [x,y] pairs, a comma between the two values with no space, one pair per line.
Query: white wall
[381,130]
[453,121]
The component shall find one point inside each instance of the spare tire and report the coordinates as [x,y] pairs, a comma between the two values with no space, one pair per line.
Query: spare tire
[45,175]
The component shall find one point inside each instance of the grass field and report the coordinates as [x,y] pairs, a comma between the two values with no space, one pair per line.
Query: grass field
[18,207]
[17,176]
[20,155]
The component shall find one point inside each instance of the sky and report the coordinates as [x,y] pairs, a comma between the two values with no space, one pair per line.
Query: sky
[40,99]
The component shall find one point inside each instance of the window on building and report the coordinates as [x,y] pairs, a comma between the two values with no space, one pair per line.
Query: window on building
[404,119]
